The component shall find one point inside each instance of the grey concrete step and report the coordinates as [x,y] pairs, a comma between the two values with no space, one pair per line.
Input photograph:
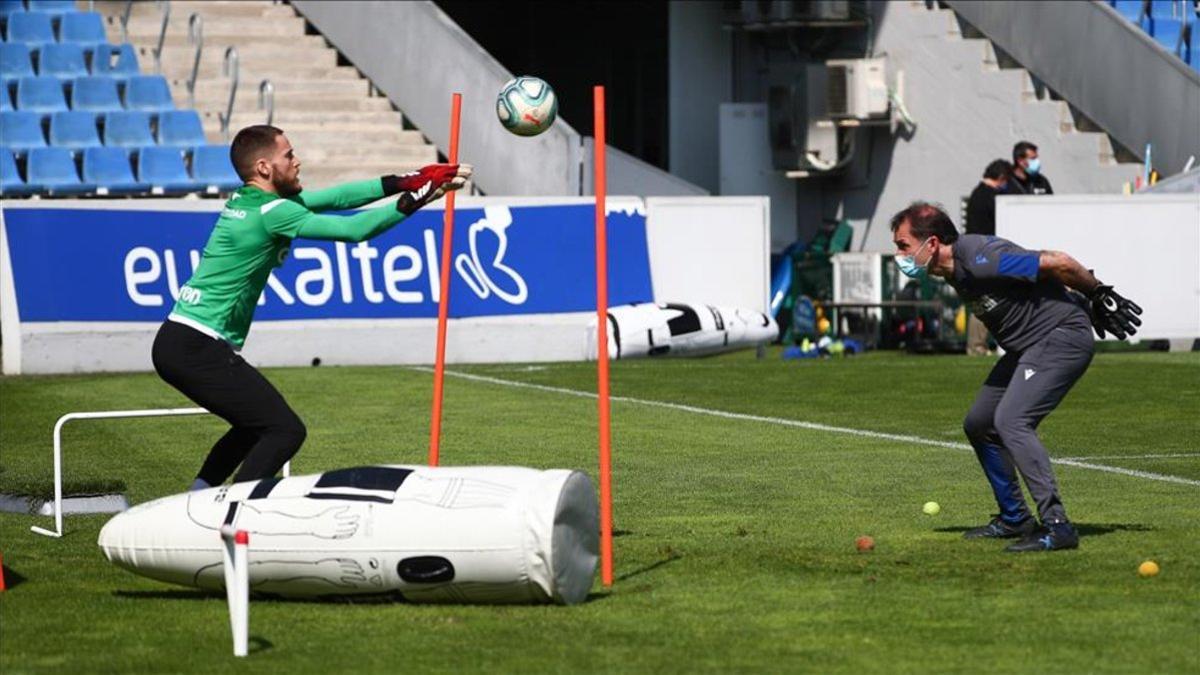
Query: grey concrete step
[321,119]
[218,88]
[223,40]
[207,7]
[212,70]
[311,153]
[251,57]
[309,135]
[248,101]
[213,24]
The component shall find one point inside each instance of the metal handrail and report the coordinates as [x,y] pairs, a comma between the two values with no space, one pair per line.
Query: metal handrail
[125,20]
[195,37]
[162,34]
[266,99]
[229,69]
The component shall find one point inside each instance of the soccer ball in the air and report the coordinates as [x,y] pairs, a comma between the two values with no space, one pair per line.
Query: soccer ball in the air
[526,106]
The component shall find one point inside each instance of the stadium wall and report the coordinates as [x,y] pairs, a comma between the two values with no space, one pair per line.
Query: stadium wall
[1147,246]
[523,280]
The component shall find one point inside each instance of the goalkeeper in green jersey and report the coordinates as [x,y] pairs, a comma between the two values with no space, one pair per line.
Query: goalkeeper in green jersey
[196,348]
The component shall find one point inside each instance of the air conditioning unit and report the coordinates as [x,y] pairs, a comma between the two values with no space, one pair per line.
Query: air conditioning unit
[856,88]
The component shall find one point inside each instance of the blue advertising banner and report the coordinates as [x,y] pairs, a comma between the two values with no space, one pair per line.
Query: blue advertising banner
[128,265]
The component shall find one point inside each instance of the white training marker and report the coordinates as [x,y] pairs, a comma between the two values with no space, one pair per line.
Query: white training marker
[237,586]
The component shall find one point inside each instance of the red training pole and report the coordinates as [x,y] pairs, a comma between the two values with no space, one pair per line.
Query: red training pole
[439,364]
[606,548]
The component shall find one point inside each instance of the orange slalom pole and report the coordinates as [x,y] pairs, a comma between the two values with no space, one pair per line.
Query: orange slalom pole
[606,547]
[439,364]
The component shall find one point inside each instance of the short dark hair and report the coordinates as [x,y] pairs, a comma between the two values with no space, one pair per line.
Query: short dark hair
[997,169]
[1021,149]
[248,145]
[927,220]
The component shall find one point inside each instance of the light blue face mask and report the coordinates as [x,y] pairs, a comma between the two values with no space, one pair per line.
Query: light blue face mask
[1035,165]
[908,264]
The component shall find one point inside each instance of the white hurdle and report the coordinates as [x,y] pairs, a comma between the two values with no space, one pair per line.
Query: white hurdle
[97,415]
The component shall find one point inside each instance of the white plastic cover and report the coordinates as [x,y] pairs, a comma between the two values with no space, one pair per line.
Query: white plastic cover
[681,329]
[445,534]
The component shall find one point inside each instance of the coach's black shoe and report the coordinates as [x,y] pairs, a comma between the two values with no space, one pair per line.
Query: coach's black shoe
[1052,536]
[998,529]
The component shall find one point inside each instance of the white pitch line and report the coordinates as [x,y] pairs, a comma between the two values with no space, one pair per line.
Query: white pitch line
[1162,456]
[803,425]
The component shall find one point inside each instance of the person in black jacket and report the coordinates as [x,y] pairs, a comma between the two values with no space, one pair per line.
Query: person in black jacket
[1027,177]
[981,206]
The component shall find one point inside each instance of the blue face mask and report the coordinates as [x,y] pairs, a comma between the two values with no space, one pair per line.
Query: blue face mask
[908,264]
[1035,165]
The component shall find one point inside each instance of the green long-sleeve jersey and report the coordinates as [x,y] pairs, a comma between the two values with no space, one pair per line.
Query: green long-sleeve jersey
[253,237]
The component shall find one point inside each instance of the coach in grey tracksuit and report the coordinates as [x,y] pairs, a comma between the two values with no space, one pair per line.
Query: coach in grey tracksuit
[1022,297]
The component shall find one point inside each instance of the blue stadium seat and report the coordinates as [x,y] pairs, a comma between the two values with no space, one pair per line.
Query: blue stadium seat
[55,7]
[40,94]
[129,129]
[11,183]
[213,170]
[110,171]
[5,101]
[180,128]
[21,131]
[64,61]
[148,92]
[164,171]
[74,130]
[31,28]
[54,170]
[1193,48]
[1166,9]
[85,28]
[95,94]
[1168,33]
[15,61]
[119,61]
[9,6]
[1130,9]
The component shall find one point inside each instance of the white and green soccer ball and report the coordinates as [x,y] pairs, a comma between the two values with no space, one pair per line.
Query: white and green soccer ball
[526,105]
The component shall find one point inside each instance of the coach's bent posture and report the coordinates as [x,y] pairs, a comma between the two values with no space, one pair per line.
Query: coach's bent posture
[1046,331]
[196,348]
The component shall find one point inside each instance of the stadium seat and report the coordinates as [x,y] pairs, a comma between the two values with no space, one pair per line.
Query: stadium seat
[110,171]
[148,92]
[1130,9]
[64,61]
[55,7]
[85,28]
[5,101]
[163,170]
[1168,33]
[11,183]
[31,28]
[119,61]
[213,170]
[1166,9]
[95,94]
[127,130]
[54,170]
[21,130]
[1193,48]
[15,61]
[9,6]
[40,94]
[180,128]
[74,130]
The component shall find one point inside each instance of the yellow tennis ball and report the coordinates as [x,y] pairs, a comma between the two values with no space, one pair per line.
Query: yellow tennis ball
[931,508]
[1148,569]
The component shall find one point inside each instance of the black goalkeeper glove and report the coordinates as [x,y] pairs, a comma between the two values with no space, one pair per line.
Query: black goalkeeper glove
[1114,313]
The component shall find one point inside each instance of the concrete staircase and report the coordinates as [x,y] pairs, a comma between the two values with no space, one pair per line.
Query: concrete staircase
[341,129]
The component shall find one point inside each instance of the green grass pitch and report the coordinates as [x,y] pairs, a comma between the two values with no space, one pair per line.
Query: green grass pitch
[736,535]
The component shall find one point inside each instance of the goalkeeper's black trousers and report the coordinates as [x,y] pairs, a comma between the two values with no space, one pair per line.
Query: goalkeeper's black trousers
[264,430]
[1002,423]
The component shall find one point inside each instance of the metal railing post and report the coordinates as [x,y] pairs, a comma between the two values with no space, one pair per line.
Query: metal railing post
[195,38]
[125,20]
[229,69]
[162,34]
[266,99]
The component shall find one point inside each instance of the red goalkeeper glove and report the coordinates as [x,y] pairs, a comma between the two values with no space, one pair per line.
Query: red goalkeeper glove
[427,184]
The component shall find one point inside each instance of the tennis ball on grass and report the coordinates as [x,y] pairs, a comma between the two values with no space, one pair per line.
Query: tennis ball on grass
[1148,569]
[864,544]
[931,508]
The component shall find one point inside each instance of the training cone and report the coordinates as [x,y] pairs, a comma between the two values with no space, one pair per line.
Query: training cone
[1,572]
